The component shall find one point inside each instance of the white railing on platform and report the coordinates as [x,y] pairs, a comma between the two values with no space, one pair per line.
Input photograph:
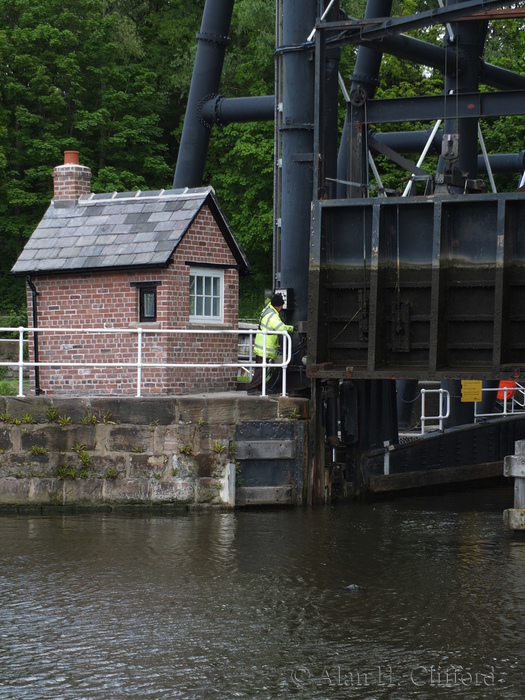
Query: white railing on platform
[139,363]
[510,400]
[444,400]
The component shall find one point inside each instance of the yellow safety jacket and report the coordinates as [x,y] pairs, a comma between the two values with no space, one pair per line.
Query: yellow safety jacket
[269,321]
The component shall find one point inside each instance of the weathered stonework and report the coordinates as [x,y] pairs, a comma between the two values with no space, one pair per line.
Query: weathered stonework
[178,451]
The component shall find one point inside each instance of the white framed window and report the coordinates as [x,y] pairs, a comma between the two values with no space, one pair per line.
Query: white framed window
[206,294]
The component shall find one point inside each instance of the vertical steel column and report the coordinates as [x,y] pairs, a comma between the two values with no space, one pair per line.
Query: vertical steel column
[469,39]
[463,77]
[213,39]
[297,151]
[353,158]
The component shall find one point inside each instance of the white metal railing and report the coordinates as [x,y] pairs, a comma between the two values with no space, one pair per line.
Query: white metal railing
[139,363]
[443,394]
[513,401]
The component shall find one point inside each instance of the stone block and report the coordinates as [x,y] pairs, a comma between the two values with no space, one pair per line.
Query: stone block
[134,438]
[257,407]
[25,466]
[14,491]
[146,465]
[47,491]
[174,491]
[86,435]
[83,491]
[133,410]
[292,407]
[126,491]
[49,437]
[74,408]
[208,490]
[6,441]
[99,465]
[179,438]
[191,410]
[35,406]
[221,411]
[183,466]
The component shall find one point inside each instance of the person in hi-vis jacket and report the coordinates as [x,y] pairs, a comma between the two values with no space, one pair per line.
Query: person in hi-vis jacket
[269,320]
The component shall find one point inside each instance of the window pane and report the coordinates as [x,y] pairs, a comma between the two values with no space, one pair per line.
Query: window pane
[149,304]
[206,294]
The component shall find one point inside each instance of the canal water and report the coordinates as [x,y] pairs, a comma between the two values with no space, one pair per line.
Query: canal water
[417,598]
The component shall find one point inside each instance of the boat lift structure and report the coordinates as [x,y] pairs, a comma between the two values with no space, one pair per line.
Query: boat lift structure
[386,288]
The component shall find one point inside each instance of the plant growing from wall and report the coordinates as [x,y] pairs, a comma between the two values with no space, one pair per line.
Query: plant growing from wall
[6,418]
[89,418]
[27,418]
[186,449]
[107,418]
[219,447]
[38,450]
[64,421]
[64,472]
[52,414]
[85,460]
[112,474]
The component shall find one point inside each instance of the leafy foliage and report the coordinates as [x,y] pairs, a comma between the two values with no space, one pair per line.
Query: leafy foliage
[110,78]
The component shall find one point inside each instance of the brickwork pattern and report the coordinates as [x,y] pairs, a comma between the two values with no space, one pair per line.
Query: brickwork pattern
[106,300]
[71,182]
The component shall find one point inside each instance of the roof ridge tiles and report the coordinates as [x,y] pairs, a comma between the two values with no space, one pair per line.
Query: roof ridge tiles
[184,193]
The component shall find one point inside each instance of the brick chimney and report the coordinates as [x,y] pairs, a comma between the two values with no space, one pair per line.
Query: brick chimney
[71,179]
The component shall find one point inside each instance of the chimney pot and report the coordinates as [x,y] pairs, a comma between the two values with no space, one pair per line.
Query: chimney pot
[71,158]
[72,180]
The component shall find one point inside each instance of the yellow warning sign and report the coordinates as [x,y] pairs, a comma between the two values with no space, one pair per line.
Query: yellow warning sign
[470,390]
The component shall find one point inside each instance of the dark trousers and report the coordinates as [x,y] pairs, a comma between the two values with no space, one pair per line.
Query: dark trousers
[256,381]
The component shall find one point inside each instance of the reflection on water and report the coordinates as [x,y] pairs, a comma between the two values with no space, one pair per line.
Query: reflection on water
[255,604]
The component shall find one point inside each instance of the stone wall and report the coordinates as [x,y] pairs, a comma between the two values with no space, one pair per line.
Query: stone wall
[177,451]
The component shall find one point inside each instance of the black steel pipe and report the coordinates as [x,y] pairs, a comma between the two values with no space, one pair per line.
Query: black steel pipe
[364,81]
[223,110]
[212,41]
[446,59]
[34,295]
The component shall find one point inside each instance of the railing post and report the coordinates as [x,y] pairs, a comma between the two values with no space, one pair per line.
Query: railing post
[423,415]
[250,354]
[264,365]
[20,361]
[139,360]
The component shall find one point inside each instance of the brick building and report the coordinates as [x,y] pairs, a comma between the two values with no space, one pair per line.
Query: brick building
[122,261]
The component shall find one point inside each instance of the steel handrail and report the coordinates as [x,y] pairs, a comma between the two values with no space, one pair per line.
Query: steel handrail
[441,416]
[139,362]
[510,398]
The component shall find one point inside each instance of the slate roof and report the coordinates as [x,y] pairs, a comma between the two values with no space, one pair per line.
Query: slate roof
[119,230]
